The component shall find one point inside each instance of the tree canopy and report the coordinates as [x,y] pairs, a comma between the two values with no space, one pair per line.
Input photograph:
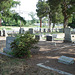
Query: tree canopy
[67,6]
[7,15]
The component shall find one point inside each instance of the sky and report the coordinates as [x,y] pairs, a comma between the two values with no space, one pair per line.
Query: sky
[26,7]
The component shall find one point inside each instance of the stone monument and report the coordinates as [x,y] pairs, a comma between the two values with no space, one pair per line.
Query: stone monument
[4,32]
[21,31]
[48,30]
[44,30]
[37,37]
[49,38]
[8,42]
[1,33]
[67,37]
[31,30]
[66,60]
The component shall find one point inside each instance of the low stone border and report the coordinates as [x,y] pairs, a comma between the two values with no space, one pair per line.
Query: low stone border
[50,68]
[6,54]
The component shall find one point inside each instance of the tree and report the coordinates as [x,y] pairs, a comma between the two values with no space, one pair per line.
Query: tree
[72,25]
[68,7]
[32,16]
[42,10]
[5,6]
[17,17]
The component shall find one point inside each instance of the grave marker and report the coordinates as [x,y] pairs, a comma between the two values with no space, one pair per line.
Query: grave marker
[66,60]
[8,42]
[67,37]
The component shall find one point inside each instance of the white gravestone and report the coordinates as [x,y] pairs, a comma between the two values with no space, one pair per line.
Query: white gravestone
[67,37]
[66,60]
[8,42]
[22,31]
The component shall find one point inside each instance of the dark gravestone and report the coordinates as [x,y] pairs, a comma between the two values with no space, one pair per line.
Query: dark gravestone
[48,30]
[44,30]
[37,37]
[40,30]
[49,38]
[4,33]
[0,32]
[31,30]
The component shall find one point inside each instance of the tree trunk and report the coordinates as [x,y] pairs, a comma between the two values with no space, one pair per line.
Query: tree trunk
[0,23]
[64,11]
[49,19]
[53,26]
[40,23]
[65,22]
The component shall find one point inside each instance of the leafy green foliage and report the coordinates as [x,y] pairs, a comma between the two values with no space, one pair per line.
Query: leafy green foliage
[22,44]
[32,15]
[42,9]
[17,17]
[67,6]
[72,25]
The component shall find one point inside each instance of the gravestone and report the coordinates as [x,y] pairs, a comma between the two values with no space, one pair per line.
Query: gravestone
[40,30]
[60,30]
[48,30]
[37,37]
[8,42]
[49,38]
[4,32]
[66,60]
[67,37]
[21,31]
[44,30]
[54,35]
[1,33]
[31,30]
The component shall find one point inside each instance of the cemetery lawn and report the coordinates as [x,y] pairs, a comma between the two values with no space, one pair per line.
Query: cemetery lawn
[46,53]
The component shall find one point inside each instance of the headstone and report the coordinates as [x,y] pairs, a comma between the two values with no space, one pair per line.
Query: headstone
[4,32]
[31,30]
[40,30]
[44,30]
[66,60]
[54,35]
[37,37]
[21,31]
[56,30]
[48,30]
[8,42]
[49,38]
[60,30]
[1,33]
[67,37]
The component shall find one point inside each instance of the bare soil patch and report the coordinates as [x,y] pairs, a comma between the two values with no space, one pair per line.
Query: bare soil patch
[46,51]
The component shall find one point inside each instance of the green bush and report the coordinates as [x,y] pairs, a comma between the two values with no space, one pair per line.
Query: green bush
[22,44]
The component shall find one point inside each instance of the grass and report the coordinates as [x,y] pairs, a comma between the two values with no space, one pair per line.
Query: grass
[58,39]
[16,66]
[3,27]
[10,66]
